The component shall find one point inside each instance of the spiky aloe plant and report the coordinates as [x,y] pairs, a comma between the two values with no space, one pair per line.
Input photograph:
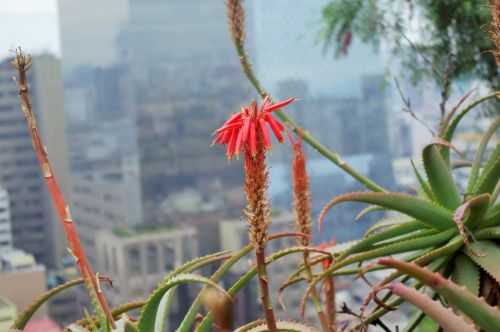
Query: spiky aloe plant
[440,223]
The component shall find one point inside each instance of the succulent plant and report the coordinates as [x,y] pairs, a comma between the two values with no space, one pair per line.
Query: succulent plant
[440,233]
[452,232]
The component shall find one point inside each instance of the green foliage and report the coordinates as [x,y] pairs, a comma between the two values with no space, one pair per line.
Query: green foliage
[456,27]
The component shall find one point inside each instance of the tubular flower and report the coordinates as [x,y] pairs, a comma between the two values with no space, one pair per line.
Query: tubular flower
[240,131]
[301,192]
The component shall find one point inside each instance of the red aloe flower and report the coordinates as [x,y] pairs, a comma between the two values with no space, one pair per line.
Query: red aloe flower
[239,132]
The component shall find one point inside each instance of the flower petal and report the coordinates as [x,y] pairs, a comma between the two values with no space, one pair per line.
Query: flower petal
[234,117]
[232,143]
[253,139]
[246,129]
[229,126]
[275,127]
[279,105]
[239,143]
[265,134]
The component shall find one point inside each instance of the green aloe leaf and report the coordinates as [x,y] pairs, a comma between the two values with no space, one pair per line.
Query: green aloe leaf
[490,175]
[466,273]
[428,213]
[483,315]
[486,254]
[476,165]
[440,178]
[25,316]
[445,317]
[385,223]
[492,216]
[423,183]
[450,129]
[149,312]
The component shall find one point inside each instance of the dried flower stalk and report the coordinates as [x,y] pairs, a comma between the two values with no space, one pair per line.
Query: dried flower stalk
[258,214]
[22,63]
[303,217]
[495,28]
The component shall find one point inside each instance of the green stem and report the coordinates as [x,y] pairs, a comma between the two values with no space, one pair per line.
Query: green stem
[314,296]
[265,298]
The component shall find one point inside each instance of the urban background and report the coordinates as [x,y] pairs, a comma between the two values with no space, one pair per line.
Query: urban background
[127,95]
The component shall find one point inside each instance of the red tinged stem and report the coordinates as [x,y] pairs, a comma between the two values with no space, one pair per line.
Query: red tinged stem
[22,64]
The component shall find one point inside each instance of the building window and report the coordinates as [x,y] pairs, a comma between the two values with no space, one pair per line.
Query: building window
[152,259]
[168,258]
[134,261]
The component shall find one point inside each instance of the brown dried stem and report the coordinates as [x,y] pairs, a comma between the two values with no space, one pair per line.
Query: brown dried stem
[303,218]
[22,63]
[495,28]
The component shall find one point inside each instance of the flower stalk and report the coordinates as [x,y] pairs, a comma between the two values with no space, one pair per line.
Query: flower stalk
[22,63]
[249,132]
[258,215]
[303,219]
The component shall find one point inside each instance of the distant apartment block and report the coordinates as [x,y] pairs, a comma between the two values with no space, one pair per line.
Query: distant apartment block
[21,279]
[5,223]
[35,227]
[139,260]
[104,202]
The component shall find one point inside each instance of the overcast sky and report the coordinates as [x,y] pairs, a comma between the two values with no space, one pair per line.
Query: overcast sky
[31,24]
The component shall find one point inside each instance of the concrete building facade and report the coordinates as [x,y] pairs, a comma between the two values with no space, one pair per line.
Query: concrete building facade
[22,280]
[139,261]
[5,223]
[35,227]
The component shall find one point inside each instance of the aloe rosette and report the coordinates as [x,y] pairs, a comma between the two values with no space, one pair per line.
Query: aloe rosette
[438,223]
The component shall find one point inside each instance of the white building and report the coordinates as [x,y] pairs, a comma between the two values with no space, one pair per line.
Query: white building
[139,261]
[5,224]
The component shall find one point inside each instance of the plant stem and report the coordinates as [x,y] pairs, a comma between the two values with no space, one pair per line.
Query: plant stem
[315,298]
[23,63]
[264,289]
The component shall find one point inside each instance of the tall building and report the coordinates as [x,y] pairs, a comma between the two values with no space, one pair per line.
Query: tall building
[35,226]
[104,202]
[154,104]
[5,223]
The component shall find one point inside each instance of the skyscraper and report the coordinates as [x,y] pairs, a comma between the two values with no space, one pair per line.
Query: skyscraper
[173,77]
[35,226]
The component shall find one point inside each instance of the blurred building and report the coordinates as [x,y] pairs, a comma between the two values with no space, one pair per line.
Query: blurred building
[139,261]
[5,223]
[149,102]
[22,280]
[104,202]
[35,226]
[8,314]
